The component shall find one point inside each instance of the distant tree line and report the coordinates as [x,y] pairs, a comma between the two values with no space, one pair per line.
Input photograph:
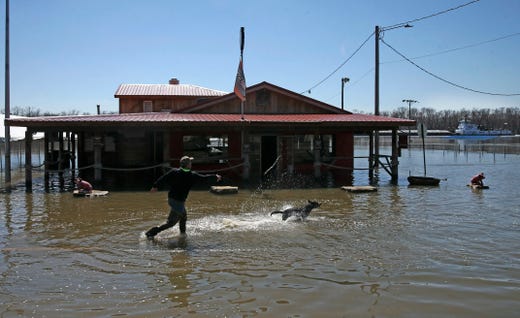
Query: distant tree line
[28,111]
[498,118]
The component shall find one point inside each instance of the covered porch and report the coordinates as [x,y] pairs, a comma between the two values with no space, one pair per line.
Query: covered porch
[131,150]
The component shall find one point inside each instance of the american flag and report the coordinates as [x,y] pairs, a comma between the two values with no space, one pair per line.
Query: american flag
[240,83]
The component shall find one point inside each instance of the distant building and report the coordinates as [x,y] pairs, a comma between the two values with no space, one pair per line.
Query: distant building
[16,133]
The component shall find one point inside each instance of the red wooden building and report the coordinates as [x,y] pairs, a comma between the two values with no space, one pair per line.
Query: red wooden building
[276,134]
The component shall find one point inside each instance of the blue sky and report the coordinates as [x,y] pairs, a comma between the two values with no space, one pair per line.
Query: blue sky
[72,54]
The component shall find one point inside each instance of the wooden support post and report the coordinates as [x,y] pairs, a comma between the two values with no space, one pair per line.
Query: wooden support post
[46,160]
[394,162]
[60,160]
[317,158]
[28,161]
[370,156]
[98,145]
[247,164]
[20,155]
[73,154]
[290,154]
[246,150]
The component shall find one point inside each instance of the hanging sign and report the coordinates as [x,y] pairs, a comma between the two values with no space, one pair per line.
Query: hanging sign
[421,130]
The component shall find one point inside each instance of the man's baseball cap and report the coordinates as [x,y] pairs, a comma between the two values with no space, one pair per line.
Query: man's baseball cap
[185,160]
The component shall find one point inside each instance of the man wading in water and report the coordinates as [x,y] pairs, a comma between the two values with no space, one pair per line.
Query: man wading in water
[180,182]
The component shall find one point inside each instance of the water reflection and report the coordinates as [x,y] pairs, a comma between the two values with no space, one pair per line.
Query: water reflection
[181,288]
[386,253]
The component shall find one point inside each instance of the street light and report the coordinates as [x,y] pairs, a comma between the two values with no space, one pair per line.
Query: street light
[410,102]
[377,37]
[343,81]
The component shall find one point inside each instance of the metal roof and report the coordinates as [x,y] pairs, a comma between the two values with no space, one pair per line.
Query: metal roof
[183,119]
[166,90]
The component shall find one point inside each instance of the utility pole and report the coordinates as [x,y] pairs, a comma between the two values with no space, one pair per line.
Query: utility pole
[343,81]
[376,92]
[377,34]
[7,103]
[376,79]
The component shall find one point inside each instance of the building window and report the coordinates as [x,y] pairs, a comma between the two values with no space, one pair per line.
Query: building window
[304,147]
[207,148]
[147,106]
[263,98]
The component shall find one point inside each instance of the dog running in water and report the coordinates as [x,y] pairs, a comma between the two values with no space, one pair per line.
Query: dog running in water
[301,213]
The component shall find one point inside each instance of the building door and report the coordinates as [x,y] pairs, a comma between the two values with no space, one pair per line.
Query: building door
[269,154]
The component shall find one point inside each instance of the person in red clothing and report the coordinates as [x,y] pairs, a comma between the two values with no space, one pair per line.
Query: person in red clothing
[477,179]
[179,181]
[83,186]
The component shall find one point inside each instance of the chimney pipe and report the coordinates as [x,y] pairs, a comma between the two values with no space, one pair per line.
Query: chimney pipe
[174,81]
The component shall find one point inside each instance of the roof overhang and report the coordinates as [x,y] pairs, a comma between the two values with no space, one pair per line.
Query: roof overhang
[346,122]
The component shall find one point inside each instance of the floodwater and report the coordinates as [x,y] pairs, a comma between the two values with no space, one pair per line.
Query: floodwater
[402,251]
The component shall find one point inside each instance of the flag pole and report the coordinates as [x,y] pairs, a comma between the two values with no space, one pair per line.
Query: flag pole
[240,91]
[242,38]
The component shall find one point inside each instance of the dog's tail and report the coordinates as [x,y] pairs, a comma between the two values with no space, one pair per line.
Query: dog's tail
[276,212]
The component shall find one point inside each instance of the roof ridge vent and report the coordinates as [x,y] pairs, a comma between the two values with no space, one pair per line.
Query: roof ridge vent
[174,81]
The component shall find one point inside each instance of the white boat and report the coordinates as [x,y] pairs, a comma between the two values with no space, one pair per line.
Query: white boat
[468,128]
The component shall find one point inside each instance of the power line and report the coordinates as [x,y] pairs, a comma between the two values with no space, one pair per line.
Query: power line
[445,80]
[435,54]
[341,65]
[428,16]
[385,28]
[459,48]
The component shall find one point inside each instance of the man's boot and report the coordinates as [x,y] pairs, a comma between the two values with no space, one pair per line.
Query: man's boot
[152,232]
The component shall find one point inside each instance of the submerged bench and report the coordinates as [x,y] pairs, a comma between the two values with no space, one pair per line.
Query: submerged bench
[94,193]
[359,188]
[224,189]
